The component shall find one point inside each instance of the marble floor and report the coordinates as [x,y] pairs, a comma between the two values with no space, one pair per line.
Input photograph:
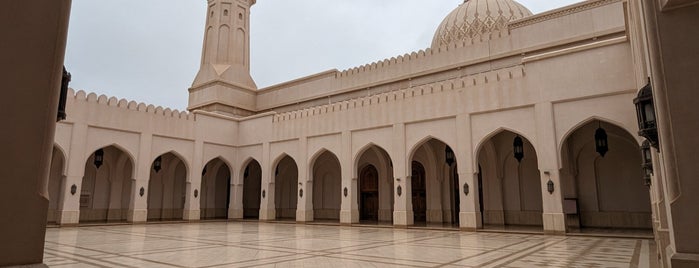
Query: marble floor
[251,244]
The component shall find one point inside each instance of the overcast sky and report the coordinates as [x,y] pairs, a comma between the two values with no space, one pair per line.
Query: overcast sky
[149,50]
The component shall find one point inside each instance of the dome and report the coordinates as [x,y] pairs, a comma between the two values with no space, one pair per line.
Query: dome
[478,18]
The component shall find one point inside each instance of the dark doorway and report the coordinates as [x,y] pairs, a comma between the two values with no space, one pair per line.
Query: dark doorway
[457,197]
[480,192]
[419,190]
[369,201]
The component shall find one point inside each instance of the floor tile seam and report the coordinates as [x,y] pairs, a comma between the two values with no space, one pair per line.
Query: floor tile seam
[339,256]
[139,253]
[325,250]
[54,259]
[587,250]
[255,260]
[487,252]
[90,259]
[521,253]
[115,254]
[331,255]
[392,243]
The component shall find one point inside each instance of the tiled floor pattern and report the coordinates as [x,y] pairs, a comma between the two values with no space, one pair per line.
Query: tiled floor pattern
[247,244]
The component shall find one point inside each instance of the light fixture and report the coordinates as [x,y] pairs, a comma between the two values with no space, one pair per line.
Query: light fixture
[99,158]
[550,185]
[73,189]
[518,148]
[158,164]
[64,95]
[601,141]
[466,189]
[647,162]
[449,156]
[142,191]
[645,111]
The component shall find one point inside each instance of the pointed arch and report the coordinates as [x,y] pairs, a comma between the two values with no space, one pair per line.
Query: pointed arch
[494,133]
[357,157]
[588,120]
[423,141]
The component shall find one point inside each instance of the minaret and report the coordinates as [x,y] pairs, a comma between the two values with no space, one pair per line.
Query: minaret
[224,84]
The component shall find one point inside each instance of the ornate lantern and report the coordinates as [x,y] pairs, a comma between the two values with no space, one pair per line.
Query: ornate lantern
[99,158]
[549,186]
[63,97]
[158,164]
[601,141]
[449,156]
[519,148]
[647,162]
[645,111]
[466,189]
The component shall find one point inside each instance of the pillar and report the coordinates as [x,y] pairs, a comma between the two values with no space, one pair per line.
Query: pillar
[267,207]
[547,153]
[402,192]
[349,211]
[304,205]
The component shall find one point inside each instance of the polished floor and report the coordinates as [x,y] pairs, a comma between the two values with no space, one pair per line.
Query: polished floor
[251,244]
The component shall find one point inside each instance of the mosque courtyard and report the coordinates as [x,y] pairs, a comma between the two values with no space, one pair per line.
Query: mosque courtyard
[253,244]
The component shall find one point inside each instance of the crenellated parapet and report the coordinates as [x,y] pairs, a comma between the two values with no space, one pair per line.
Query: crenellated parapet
[465,82]
[83,98]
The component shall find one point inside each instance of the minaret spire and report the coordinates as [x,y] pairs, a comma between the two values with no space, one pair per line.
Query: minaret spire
[224,84]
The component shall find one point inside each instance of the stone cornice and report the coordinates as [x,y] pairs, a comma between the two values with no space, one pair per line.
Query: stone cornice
[561,12]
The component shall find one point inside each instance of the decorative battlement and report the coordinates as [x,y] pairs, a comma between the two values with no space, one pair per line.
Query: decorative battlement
[82,97]
[398,95]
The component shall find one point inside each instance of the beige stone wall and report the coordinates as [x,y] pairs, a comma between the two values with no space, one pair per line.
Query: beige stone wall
[540,86]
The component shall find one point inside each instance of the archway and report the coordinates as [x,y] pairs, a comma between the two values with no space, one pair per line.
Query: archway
[56,178]
[375,177]
[215,190]
[603,186]
[327,187]
[432,184]
[252,190]
[105,191]
[286,182]
[167,188]
[511,184]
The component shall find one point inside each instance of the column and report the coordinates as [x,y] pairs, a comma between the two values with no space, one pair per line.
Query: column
[349,212]
[69,209]
[402,192]
[267,207]
[138,206]
[304,206]
[192,201]
[469,215]
[553,217]
[235,203]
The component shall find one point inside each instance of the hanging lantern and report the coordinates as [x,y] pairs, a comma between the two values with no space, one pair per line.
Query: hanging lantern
[449,156]
[647,162]
[99,158]
[158,164]
[645,111]
[601,142]
[519,149]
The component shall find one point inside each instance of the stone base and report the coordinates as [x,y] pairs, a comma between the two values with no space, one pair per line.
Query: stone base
[235,213]
[684,260]
[67,218]
[403,219]
[191,215]
[137,216]
[304,216]
[470,221]
[554,223]
[349,216]
[385,214]
[268,214]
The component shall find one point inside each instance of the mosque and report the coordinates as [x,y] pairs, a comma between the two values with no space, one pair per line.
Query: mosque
[508,120]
